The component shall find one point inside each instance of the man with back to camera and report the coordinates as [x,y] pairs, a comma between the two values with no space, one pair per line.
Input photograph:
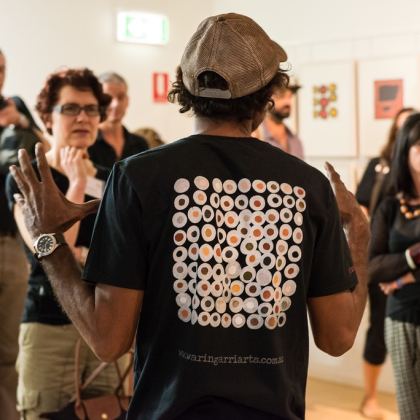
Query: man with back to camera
[114,141]
[13,263]
[273,129]
[220,241]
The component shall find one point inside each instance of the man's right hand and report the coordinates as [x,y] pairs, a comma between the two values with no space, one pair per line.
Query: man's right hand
[45,209]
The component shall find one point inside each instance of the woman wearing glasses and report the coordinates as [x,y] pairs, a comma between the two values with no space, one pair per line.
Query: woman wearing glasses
[71,106]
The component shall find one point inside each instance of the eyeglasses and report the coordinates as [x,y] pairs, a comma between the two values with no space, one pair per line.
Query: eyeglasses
[73,110]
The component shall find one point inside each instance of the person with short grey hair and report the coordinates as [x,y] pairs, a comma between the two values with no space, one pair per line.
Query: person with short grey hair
[115,141]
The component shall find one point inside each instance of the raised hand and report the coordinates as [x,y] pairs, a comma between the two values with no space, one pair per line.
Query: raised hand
[44,207]
[347,204]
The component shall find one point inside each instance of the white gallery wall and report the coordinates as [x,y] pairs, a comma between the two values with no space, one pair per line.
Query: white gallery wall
[38,36]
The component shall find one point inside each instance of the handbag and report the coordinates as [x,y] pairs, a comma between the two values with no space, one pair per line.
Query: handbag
[106,407]
[12,139]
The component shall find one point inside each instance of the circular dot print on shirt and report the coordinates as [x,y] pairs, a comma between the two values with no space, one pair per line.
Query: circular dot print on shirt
[271,232]
[201,183]
[248,246]
[268,261]
[193,233]
[253,259]
[233,269]
[181,185]
[194,214]
[238,320]
[203,288]
[280,262]
[180,237]
[241,202]
[286,215]
[271,322]
[265,246]
[273,186]
[285,303]
[233,238]
[285,232]
[181,202]
[250,305]
[288,201]
[180,254]
[254,322]
[282,319]
[208,232]
[245,217]
[220,305]
[294,253]
[226,203]
[299,192]
[258,218]
[215,319]
[180,286]
[243,230]
[184,313]
[218,253]
[207,304]
[192,269]
[263,277]
[215,200]
[257,202]
[257,232]
[200,197]
[253,289]
[286,188]
[220,218]
[229,186]
[248,274]
[237,287]
[300,205]
[272,216]
[289,288]
[274,200]
[206,252]
[205,271]
[267,294]
[217,288]
[276,280]
[194,317]
[204,319]
[231,219]
[179,220]
[180,270]
[226,320]
[259,186]
[235,304]
[192,287]
[291,271]
[244,185]
[218,272]
[229,254]
[221,235]
[217,185]
[183,299]
[207,213]
[298,219]
[265,309]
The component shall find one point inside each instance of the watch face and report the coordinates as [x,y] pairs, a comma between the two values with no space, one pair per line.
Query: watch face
[45,244]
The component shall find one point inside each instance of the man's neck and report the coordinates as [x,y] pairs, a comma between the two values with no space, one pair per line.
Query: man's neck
[222,128]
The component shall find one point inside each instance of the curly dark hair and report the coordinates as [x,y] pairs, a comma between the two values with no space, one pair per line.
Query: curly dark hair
[81,79]
[237,109]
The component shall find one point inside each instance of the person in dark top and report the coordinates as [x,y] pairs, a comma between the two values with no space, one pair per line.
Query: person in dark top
[13,265]
[372,189]
[71,105]
[211,249]
[394,266]
[114,141]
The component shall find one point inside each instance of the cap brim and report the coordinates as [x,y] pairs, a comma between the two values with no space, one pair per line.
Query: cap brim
[281,52]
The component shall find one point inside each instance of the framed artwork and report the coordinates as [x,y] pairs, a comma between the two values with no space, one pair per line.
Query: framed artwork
[327,109]
[384,87]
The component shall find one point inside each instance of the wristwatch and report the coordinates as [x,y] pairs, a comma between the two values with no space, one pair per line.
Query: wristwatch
[47,243]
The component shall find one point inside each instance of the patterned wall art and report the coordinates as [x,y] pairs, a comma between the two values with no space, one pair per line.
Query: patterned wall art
[384,87]
[325,101]
[327,109]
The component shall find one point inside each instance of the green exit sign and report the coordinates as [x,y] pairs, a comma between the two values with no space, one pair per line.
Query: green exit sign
[142,28]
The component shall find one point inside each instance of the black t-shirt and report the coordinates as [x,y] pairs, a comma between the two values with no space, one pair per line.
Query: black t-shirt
[102,153]
[391,235]
[7,223]
[41,304]
[227,237]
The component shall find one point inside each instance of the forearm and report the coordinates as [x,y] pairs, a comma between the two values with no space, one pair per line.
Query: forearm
[76,297]
[75,194]
[357,232]
[387,267]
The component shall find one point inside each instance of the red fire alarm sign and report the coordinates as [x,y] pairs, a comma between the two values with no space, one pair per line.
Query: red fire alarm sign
[160,87]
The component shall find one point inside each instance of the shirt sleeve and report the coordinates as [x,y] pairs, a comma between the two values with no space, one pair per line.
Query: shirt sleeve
[332,268]
[117,253]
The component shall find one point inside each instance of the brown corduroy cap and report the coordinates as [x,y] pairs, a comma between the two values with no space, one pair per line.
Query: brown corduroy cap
[237,49]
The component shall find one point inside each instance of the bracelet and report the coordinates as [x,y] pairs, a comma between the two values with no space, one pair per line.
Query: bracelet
[410,260]
[399,282]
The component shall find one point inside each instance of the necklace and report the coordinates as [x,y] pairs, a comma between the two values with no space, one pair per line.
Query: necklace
[408,211]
